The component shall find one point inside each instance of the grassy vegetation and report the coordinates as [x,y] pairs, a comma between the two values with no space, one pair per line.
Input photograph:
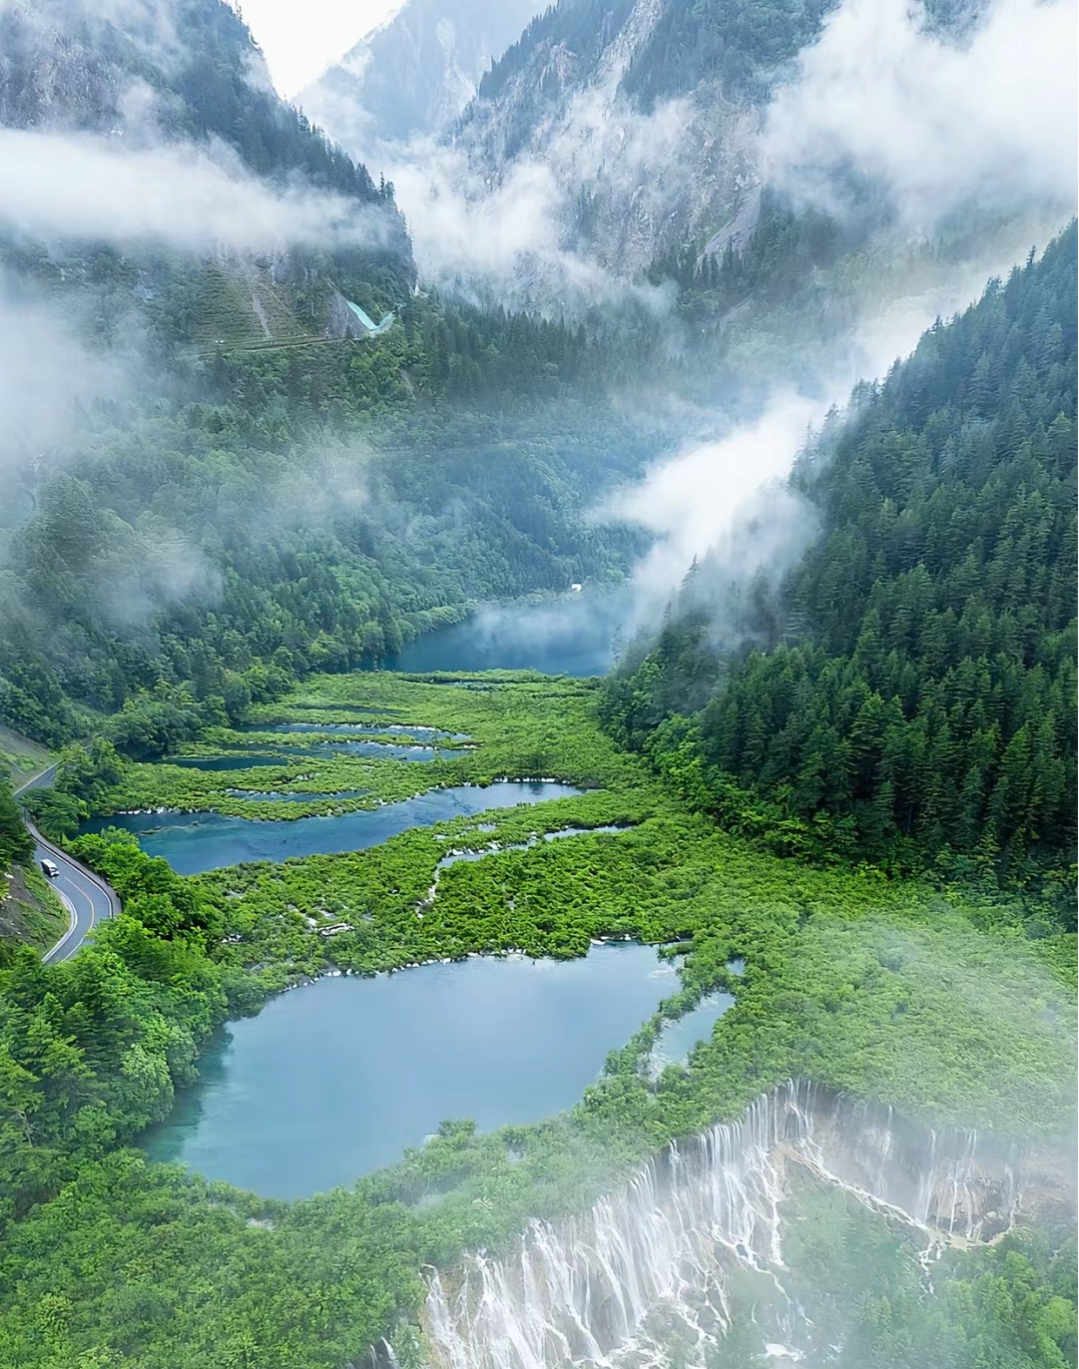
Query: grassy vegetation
[30,911]
[893,988]
[517,725]
[942,1002]
[239,309]
[22,758]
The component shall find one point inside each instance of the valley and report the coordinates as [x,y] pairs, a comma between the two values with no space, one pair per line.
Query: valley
[537,631]
[328,1080]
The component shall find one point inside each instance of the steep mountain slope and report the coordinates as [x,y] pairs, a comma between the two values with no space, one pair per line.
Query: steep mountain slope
[416,73]
[652,146]
[919,700]
[184,69]
[177,93]
[616,133]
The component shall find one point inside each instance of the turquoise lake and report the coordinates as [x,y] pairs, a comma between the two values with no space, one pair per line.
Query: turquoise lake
[336,1078]
[578,635]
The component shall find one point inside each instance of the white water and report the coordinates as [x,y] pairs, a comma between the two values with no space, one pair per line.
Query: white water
[609,1287]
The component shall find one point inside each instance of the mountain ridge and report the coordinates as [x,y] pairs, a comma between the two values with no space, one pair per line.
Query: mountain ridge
[183,87]
[415,73]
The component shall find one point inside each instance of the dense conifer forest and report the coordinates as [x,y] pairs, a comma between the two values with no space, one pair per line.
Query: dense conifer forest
[295,504]
[915,703]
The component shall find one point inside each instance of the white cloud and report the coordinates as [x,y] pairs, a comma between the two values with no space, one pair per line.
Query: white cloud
[505,238]
[989,121]
[46,375]
[66,185]
[509,226]
[695,501]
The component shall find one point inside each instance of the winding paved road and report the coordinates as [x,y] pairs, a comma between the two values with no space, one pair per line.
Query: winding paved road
[85,895]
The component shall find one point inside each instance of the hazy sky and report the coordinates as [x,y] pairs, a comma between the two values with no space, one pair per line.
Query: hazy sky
[302,37]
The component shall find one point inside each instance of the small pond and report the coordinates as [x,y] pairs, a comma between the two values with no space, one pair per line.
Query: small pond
[678,1038]
[336,1078]
[236,760]
[339,739]
[194,842]
[358,739]
[347,746]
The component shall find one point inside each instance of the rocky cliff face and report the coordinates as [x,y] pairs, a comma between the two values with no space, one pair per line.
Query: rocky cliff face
[610,133]
[637,179]
[60,67]
[416,73]
[174,70]
[147,92]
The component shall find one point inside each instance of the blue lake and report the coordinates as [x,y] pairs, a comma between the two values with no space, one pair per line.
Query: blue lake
[336,1078]
[194,842]
[576,636]
[237,760]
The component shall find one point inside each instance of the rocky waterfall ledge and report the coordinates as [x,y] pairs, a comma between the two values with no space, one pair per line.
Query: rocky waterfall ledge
[607,1288]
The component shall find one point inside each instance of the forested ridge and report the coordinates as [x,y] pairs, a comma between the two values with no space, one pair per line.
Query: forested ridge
[919,704]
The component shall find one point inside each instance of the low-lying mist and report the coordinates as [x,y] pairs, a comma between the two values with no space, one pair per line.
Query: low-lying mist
[724,497]
[889,113]
[938,124]
[181,195]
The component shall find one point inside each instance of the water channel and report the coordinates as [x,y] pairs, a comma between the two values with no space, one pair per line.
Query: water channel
[335,1079]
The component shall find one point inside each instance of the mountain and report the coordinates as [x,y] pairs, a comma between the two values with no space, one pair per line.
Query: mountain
[644,114]
[415,73]
[635,145]
[911,695]
[614,133]
[187,69]
[179,93]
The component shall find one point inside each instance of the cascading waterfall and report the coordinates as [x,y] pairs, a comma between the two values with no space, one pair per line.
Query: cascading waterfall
[609,1287]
